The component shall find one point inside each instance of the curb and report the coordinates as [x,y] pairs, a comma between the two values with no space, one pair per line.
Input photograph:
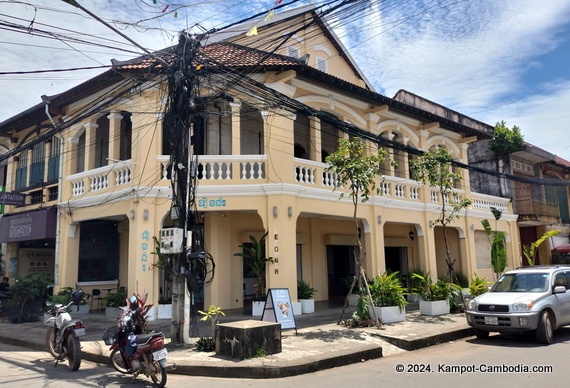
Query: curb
[284,369]
[419,343]
[93,351]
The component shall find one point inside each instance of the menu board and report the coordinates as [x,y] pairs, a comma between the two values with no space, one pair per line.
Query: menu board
[278,308]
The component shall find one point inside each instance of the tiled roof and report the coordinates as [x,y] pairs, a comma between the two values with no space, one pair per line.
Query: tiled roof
[225,53]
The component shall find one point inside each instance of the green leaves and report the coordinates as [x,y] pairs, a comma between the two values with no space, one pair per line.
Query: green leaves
[387,290]
[506,141]
[254,255]
[356,169]
[530,250]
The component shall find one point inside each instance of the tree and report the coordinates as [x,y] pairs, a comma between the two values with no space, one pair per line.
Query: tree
[506,141]
[434,168]
[359,172]
[530,250]
[498,247]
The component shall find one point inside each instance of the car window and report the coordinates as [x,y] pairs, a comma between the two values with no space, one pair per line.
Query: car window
[560,280]
[522,282]
[567,275]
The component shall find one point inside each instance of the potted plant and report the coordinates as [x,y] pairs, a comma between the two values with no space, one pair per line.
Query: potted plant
[478,286]
[114,301]
[305,295]
[435,296]
[352,281]
[413,283]
[254,254]
[389,297]
[64,297]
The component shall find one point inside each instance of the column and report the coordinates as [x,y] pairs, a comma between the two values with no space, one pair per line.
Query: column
[115,119]
[315,152]
[90,136]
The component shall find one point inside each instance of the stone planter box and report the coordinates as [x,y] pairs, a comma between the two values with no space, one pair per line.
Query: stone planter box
[438,307]
[307,306]
[244,339]
[389,314]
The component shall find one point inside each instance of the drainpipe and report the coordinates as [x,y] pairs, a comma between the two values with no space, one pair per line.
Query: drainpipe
[46,100]
[58,225]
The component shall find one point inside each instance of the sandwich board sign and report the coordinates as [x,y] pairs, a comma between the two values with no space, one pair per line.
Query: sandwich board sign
[278,308]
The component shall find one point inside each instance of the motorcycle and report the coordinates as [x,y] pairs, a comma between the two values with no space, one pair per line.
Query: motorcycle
[133,351]
[62,338]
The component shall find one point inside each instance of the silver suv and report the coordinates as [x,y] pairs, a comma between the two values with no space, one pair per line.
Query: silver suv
[526,299]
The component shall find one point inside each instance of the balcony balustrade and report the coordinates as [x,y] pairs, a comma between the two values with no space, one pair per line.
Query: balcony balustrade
[252,169]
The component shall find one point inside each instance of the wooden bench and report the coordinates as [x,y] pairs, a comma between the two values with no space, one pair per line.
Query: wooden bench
[245,339]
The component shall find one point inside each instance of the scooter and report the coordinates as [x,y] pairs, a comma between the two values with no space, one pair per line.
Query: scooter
[62,338]
[133,351]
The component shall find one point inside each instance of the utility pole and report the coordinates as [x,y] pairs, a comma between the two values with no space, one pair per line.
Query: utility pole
[178,119]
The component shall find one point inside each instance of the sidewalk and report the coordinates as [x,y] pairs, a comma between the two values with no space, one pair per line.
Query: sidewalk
[319,343]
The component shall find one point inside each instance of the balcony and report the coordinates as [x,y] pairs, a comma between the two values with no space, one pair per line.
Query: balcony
[224,170]
[537,212]
[100,179]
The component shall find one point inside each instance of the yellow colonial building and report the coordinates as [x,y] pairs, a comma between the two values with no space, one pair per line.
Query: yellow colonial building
[93,165]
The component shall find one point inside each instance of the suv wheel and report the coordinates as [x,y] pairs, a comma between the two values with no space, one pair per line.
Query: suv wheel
[544,330]
[481,334]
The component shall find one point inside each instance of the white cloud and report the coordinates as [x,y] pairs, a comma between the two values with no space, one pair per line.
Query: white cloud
[472,57]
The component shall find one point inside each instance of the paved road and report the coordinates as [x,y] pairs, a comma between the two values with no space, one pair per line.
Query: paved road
[24,368]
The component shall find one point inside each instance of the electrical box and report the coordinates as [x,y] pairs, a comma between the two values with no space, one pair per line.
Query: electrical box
[171,240]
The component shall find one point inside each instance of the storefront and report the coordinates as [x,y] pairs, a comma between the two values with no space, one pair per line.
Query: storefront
[30,239]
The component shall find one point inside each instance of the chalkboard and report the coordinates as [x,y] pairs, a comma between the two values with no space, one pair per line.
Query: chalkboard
[278,308]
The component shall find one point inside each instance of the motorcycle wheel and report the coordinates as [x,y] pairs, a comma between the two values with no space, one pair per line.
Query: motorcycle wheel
[73,352]
[49,342]
[157,374]
[117,361]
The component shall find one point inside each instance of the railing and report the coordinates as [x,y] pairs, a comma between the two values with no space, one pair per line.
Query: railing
[400,188]
[486,202]
[308,172]
[222,167]
[98,178]
[528,206]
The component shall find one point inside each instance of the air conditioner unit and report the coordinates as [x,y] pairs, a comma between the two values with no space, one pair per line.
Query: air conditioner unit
[171,240]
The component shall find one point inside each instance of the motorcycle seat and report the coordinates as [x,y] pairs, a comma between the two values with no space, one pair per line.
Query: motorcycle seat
[145,338]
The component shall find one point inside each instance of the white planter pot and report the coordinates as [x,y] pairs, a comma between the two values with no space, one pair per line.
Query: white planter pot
[152,312]
[438,307]
[83,309]
[413,298]
[297,308]
[353,299]
[164,311]
[389,314]
[257,308]
[307,306]
[113,312]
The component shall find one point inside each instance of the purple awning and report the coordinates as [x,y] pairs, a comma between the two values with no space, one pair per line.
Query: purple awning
[29,226]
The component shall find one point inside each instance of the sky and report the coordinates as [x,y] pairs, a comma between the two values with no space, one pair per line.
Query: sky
[491,60]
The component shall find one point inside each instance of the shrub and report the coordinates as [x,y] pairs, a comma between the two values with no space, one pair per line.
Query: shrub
[387,290]
[304,290]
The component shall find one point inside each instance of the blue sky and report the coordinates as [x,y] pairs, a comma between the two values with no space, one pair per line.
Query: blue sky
[489,59]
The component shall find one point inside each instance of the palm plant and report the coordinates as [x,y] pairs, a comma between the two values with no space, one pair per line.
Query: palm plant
[254,254]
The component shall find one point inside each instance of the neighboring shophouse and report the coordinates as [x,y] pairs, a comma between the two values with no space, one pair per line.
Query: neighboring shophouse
[97,187]
[535,180]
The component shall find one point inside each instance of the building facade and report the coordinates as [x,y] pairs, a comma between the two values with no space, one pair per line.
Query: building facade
[95,168]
